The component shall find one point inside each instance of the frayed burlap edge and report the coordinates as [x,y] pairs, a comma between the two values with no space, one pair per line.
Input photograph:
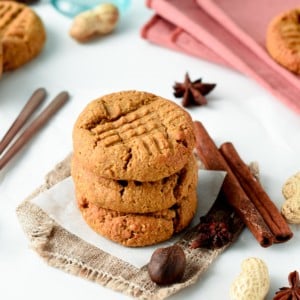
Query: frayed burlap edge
[63,250]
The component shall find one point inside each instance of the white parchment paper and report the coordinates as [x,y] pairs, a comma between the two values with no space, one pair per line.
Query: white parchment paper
[60,204]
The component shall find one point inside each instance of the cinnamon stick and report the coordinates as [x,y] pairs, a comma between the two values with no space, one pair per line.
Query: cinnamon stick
[233,192]
[257,194]
[32,104]
[34,127]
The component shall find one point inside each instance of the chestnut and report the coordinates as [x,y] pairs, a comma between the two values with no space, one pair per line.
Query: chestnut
[167,265]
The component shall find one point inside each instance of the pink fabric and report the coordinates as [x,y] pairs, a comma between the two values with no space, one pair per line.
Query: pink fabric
[250,16]
[223,44]
[162,32]
[241,19]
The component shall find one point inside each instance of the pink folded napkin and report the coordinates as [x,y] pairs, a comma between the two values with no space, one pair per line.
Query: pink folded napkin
[158,30]
[228,32]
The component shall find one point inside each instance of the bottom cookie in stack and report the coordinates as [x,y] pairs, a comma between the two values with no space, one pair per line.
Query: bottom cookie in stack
[135,213]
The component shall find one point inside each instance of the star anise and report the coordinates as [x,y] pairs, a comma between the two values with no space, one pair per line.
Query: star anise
[292,292]
[212,234]
[192,92]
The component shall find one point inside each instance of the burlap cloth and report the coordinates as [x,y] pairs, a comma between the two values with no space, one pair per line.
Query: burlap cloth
[62,249]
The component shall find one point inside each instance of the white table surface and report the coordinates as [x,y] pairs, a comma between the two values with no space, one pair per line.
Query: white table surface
[239,110]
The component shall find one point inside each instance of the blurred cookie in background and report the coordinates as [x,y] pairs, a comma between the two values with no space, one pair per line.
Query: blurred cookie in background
[22,35]
[283,39]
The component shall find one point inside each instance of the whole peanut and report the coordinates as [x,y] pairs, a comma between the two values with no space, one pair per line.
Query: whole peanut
[95,22]
[291,192]
[253,282]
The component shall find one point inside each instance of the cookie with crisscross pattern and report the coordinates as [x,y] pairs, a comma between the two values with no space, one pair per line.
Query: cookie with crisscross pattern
[22,35]
[283,39]
[133,135]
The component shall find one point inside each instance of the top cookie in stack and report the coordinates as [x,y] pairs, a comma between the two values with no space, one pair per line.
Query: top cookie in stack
[134,172]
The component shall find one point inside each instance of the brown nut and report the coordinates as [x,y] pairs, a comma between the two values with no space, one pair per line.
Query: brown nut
[167,265]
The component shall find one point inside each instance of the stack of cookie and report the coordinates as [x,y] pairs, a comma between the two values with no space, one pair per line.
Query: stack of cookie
[133,168]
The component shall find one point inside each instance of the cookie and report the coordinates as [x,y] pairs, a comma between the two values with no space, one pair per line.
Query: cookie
[22,35]
[132,196]
[283,39]
[23,1]
[137,230]
[133,135]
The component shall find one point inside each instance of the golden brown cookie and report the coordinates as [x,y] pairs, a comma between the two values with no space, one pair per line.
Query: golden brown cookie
[136,230]
[283,39]
[133,135]
[133,196]
[22,35]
